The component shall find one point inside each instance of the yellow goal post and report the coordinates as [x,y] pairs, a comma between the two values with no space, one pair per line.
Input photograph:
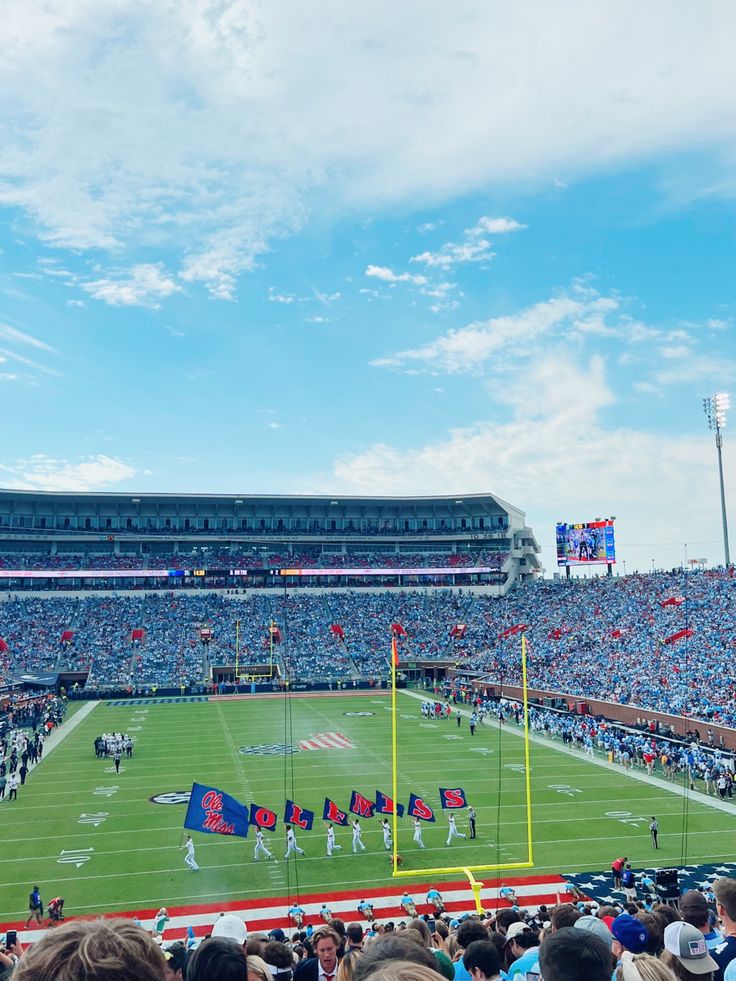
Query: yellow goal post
[464,869]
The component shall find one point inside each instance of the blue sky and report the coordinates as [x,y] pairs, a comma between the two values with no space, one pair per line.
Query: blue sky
[252,248]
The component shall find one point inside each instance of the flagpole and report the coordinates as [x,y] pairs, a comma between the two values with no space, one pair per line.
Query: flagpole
[270,662]
[237,649]
[394,774]
[527,762]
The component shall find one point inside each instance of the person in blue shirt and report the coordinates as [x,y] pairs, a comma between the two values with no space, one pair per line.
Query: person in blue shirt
[628,883]
[366,909]
[325,912]
[434,896]
[409,905]
[524,946]
[507,892]
[35,906]
[296,913]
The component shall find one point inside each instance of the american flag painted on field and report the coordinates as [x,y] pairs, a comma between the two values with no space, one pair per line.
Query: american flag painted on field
[327,740]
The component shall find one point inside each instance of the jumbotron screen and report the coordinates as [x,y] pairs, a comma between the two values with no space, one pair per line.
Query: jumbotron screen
[586,543]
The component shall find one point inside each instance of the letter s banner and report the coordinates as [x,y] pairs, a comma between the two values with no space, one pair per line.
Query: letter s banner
[418,809]
[453,798]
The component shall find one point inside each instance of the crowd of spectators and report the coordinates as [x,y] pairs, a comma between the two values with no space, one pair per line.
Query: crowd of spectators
[631,941]
[697,757]
[663,641]
[215,558]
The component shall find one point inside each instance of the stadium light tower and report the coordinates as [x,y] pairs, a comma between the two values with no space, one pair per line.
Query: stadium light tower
[715,408]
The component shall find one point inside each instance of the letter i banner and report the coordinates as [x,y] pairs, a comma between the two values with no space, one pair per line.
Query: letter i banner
[332,813]
[263,817]
[384,805]
[298,816]
[216,813]
[453,798]
[361,806]
[418,809]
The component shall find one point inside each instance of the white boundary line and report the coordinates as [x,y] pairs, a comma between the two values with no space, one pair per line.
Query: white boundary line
[58,735]
[652,781]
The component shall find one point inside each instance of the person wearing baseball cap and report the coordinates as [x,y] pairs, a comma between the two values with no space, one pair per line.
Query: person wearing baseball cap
[686,952]
[593,925]
[524,945]
[231,927]
[628,934]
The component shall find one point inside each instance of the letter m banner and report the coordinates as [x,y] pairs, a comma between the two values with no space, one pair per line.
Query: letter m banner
[361,806]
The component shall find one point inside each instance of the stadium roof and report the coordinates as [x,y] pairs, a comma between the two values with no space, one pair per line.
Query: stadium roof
[448,503]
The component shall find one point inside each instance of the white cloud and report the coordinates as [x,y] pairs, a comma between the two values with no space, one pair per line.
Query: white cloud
[41,472]
[275,425]
[494,226]
[274,297]
[555,458]
[429,226]
[457,252]
[207,134]
[468,349]
[143,286]
[389,276]
[14,336]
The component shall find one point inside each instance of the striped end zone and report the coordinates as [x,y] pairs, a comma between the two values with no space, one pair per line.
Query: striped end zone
[262,915]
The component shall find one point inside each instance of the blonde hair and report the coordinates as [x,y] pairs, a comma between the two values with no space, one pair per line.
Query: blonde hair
[403,971]
[346,969]
[258,966]
[116,950]
[647,968]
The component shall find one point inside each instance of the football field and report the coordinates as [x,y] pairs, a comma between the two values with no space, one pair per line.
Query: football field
[110,842]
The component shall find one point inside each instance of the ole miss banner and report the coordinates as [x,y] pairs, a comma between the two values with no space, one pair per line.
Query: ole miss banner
[216,813]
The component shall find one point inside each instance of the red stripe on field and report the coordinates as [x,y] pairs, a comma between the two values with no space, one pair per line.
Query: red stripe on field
[326,897]
[256,925]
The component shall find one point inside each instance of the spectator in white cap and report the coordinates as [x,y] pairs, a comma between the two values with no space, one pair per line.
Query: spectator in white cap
[231,927]
[686,952]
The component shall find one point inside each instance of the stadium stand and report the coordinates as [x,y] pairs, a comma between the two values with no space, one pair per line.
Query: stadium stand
[663,641]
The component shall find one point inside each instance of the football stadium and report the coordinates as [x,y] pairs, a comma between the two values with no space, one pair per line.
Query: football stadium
[367,604]
[273,707]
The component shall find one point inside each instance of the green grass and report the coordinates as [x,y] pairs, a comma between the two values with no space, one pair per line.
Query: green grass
[135,863]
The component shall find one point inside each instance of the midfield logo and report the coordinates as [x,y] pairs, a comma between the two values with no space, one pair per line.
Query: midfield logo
[172,797]
[326,740]
[268,749]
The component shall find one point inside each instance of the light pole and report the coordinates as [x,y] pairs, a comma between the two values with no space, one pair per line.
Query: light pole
[715,408]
